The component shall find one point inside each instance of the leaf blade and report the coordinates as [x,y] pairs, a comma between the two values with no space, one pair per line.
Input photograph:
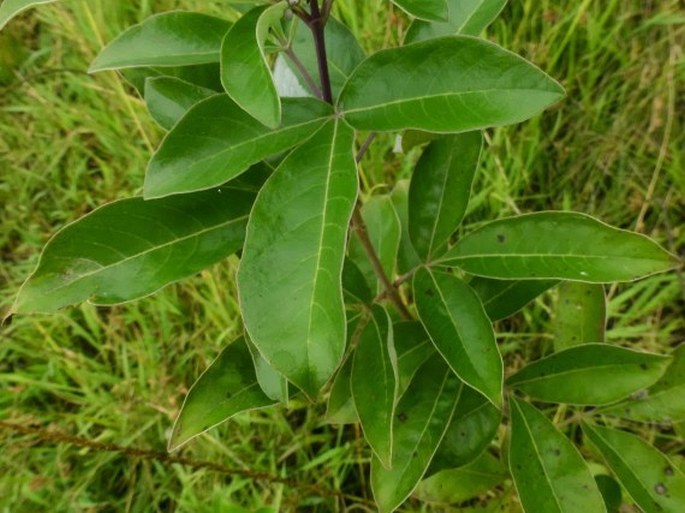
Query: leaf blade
[216,141]
[227,387]
[130,248]
[169,98]
[424,9]
[571,376]
[388,90]
[580,314]
[11,8]
[169,39]
[293,259]
[461,331]
[590,251]
[549,472]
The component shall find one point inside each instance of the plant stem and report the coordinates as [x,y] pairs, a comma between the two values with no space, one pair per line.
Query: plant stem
[317,24]
[311,84]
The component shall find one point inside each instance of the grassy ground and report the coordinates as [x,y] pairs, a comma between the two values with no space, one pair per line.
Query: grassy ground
[70,142]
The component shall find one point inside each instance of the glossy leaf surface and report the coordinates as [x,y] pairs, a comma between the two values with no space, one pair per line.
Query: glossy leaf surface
[473,426]
[580,314]
[413,347]
[558,245]
[245,73]
[422,416]
[468,90]
[440,189]
[651,479]
[169,98]
[590,374]
[384,231]
[216,141]
[169,39]
[374,383]
[461,331]
[467,17]
[407,257]
[457,485]
[424,9]
[503,298]
[549,472]
[664,401]
[228,386]
[10,8]
[130,248]
[342,50]
[290,275]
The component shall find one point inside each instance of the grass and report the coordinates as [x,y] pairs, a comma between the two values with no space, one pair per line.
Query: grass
[70,142]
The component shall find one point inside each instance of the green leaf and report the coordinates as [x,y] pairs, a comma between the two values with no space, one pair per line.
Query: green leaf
[131,248]
[340,408]
[228,387]
[558,245]
[440,189]
[245,73]
[422,416]
[474,425]
[413,347]
[611,492]
[467,17]
[424,9]
[503,298]
[457,485]
[663,402]
[468,91]
[216,141]
[590,374]
[407,257]
[342,50]
[580,314]
[289,280]
[651,479]
[374,383]
[206,76]
[355,285]
[460,329]
[168,39]
[10,8]
[549,472]
[272,382]
[384,231]
[169,98]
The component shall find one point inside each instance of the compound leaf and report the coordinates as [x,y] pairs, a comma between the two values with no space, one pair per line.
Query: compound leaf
[590,374]
[549,472]
[467,90]
[439,190]
[228,386]
[374,383]
[169,98]
[130,248]
[460,329]
[245,73]
[11,8]
[580,314]
[466,17]
[422,416]
[558,245]
[289,280]
[651,479]
[424,9]
[216,141]
[503,298]
[169,39]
